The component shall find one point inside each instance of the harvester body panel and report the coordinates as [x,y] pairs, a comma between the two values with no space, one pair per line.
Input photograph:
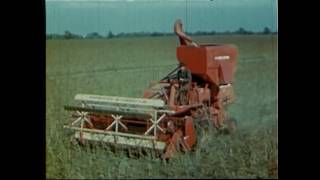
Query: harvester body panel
[214,63]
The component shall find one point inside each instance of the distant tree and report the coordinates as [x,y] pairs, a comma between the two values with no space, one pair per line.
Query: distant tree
[241,30]
[67,34]
[55,36]
[156,34]
[120,34]
[266,30]
[226,32]
[110,35]
[249,32]
[198,33]
[49,36]
[93,35]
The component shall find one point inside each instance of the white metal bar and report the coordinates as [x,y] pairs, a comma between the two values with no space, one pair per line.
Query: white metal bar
[155,124]
[76,121]
[117,124]
[79,113]
[147,132]
[120,107]
[162,130]
[88,121]
[152,120]
[110,126]
[165,94]
[116,117]
[167,111]
[128,109]
[161,117]
[124,126]
[81,123]
[81,129]
[110,132]
[135,142]
[120,100]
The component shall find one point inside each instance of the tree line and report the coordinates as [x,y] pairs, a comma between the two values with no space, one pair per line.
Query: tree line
[94,35]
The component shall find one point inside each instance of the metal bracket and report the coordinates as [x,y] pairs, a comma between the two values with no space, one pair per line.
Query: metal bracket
[116,123]
[155,125]
[82,116]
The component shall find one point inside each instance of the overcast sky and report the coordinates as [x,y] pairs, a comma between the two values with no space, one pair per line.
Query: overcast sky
[85,16]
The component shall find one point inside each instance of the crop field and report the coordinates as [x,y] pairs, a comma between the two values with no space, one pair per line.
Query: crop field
[124,67]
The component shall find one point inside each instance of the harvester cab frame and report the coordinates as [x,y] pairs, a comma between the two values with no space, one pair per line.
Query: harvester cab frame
[158,121]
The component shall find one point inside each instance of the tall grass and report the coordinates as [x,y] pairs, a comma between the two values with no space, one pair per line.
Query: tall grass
[123,67]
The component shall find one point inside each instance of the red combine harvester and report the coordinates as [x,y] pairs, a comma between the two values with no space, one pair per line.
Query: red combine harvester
[192,96]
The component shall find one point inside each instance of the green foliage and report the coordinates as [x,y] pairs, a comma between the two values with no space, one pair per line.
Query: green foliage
[124,67]
[266,30]
[110,34]
[68,35]
[95,35]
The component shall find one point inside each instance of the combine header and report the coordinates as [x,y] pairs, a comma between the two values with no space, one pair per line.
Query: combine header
[166,118]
